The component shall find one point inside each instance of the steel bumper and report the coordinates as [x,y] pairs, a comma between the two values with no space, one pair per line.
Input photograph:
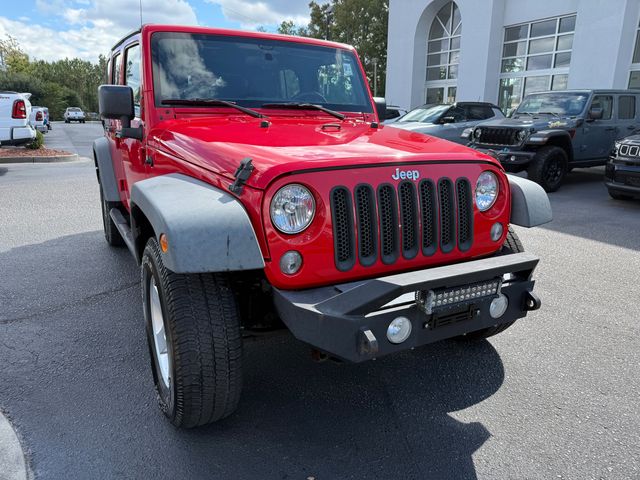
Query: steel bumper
[350,321]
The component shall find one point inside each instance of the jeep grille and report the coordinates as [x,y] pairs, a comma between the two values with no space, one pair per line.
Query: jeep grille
[498,136]
[387,221]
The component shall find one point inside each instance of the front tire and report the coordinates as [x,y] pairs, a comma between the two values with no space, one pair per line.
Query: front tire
[512,244]
[195,343]
[548,168]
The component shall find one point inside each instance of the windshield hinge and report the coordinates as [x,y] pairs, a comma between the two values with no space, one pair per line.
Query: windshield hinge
[241,176]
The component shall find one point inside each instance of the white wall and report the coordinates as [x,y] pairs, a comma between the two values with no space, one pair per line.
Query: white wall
[602,48]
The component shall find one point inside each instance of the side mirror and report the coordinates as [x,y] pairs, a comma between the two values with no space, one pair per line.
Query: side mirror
[448,120]
[381,108]
[116,102]
[595,113]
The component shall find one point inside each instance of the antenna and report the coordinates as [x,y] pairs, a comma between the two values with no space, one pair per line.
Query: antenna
[140,13]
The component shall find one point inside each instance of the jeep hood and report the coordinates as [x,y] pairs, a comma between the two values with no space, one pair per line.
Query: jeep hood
[292,144]
[543,122]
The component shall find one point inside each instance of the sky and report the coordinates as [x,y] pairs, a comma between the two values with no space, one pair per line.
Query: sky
[56,29]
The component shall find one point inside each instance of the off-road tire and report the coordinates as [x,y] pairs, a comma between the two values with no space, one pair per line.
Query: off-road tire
[204,342]
[111,233]
[619,196]
[512,244]
[549,168]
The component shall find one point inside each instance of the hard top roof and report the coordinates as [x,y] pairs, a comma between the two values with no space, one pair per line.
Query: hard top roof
[151,28]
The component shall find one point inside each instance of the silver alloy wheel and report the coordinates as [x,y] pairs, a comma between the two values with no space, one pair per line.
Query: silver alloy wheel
[159,336]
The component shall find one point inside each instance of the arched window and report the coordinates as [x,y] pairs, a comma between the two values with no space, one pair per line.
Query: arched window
[443,55]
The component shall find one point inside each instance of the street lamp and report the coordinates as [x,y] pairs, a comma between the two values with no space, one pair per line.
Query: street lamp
[329,16]
[374,60]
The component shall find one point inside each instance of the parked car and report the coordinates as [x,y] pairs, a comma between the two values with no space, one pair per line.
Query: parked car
[448,121]
[251,203]
[551,133]
[15,110]
[622,173]
[39,119]
[74,114]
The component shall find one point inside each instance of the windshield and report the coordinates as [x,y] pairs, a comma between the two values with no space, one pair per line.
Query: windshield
[425,114]
[562,104]
[255,71]
[74,109]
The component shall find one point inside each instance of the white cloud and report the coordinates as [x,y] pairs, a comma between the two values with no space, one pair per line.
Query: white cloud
[94,26]
[253,13]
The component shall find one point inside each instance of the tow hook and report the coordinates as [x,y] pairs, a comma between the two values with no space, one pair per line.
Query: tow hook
[367,343]
[531,302]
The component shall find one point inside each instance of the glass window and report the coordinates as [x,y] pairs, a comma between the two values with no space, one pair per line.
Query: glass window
[437,59]
[539,62]
[435,95]
[444,50]
[132,71]
[250,71]
[559,82]
[634,80]
[510,93]
[115,70]
[636,51]
[478,112]
[438,45]
[541,29]
[567,24]
[516,33]
[514,49]
[542,45]
[536,84]
[455,43]
[561,103]
[605,102]
[530,48]
[626,107]
[563,59]
[565,42]
[513,65]
[453,71]
[436,73]
[451,94]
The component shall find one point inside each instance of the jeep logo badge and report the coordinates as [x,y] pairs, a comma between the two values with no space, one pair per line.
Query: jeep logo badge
[406,174]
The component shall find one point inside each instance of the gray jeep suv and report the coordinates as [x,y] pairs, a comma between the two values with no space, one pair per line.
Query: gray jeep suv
[551,133]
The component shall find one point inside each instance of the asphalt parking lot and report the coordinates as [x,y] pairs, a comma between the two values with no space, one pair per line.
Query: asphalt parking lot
[555,396]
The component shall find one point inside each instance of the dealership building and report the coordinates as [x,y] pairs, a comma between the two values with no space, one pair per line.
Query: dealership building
[440,51]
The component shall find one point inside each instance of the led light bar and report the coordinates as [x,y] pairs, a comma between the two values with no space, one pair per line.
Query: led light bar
[431,300]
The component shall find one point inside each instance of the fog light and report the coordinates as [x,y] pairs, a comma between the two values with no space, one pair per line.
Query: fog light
[399,330]
[498,306]
[513,158]
[290,262]
[496,231]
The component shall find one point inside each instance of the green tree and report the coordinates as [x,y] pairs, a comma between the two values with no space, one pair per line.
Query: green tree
[289,28]
[361,23]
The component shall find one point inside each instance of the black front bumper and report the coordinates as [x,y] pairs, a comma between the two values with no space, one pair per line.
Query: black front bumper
[350,321]
[623,178]
[512,158]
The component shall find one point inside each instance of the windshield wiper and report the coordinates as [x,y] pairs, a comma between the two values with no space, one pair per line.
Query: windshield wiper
[305,106]
[555,114]
[212,102]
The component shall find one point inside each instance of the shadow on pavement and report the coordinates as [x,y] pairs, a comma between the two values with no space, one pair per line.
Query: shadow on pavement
[76,380]
[583,207]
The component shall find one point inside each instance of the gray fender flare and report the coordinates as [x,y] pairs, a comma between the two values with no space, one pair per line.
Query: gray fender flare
[106,174]
[208,230]
[529,203]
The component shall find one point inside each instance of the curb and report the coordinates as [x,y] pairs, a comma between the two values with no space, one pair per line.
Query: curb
[12,458]
[52,159]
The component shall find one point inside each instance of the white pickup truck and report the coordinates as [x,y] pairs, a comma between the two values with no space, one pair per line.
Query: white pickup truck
[15,110]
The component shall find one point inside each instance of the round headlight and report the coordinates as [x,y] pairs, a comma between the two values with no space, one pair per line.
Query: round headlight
[292,208]
[486,191]
[476,133]
[521,135]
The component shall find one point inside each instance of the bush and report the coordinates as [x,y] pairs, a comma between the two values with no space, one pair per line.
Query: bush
[37,142]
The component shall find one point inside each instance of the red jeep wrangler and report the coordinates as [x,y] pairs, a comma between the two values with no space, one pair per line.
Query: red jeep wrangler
[250,177]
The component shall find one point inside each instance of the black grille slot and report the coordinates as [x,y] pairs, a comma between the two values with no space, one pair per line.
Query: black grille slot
[498,136]
[388,213]
[367,224]
[409,216]
[447,215]
[428,216]
[465,214]
[343,235]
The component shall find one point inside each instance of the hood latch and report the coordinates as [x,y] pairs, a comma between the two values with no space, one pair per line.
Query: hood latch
[242,175]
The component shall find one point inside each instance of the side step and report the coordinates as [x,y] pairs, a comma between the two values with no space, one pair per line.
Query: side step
[124,229]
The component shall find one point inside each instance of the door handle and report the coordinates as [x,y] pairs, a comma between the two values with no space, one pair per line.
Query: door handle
[609,129]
